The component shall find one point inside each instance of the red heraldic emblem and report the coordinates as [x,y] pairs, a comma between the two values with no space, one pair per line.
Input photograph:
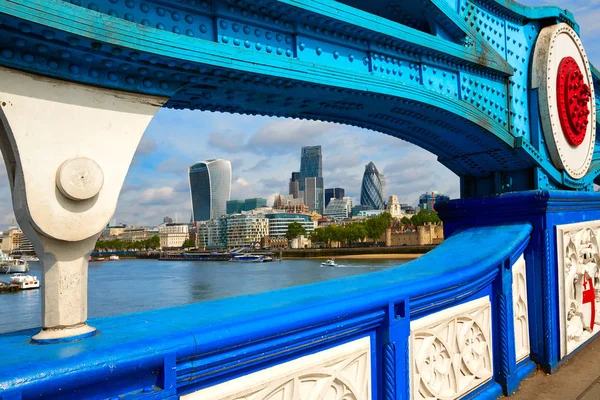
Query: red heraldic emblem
[573,97]
[589,296]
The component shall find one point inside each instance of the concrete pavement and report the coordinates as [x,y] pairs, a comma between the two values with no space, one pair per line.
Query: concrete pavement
[577,379]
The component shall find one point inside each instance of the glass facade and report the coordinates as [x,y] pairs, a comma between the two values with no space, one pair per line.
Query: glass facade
[235,206]
[314,194]
[210,187]
[295,185]
[334,193]
[371,192]
[339,208]
[427,201]
[311,164]
[278,223]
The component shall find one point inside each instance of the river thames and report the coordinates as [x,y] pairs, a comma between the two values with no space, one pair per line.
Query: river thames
[128,286]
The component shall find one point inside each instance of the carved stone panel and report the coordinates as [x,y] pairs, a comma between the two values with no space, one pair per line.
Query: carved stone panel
[579,283]
[339,373]
[451,351]
[520,311]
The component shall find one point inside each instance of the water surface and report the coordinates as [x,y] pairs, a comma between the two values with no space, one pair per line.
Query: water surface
[128,286]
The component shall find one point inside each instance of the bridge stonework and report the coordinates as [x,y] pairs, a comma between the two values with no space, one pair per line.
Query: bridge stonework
[503,94]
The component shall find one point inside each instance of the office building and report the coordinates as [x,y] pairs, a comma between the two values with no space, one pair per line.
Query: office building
[334,193]
[311,164]
[238,206]
[167,220]
[210,186]
[406,209]
[278,223]
[339,208]
[358,208]
[173,235]
[314,194]
[295,185]
[371,192]
[428,201]
[246,230]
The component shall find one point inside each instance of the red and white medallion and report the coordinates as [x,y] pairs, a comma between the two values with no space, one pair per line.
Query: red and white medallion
[561,72]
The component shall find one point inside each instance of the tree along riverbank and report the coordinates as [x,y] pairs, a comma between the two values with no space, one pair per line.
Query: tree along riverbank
[363,252]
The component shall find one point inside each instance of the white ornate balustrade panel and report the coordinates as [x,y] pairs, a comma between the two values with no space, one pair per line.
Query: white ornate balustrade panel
[578,264]
[520,311]
[451,351]
[342,372]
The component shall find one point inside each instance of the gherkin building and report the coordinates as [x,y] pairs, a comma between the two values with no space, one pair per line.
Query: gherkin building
[371,191]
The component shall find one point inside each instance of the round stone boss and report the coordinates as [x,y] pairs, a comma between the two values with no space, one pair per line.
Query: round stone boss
[562,74]
[79,178]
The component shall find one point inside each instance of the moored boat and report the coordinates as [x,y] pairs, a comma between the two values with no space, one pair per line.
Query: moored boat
[25,281]
[113,258]
[11,265]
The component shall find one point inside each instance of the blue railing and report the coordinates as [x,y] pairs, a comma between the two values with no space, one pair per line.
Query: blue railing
[172,352]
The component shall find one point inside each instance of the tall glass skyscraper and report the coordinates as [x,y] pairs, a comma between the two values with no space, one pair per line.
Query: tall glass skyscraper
[371,191]
[314,195]
[311,164]
[334,193]
[295,185]
[210,186]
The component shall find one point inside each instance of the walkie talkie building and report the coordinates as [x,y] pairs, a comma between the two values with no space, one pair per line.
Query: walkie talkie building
[210,187]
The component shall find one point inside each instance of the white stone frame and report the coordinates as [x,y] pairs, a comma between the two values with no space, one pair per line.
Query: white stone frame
[458,357]
[342,369]
[554,43]
[520,309]
[577,247]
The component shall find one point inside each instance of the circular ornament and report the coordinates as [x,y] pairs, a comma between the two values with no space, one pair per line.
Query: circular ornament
[573,97]
[567,108]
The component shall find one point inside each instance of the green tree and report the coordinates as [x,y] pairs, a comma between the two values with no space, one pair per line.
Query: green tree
[188,244]
[294,230]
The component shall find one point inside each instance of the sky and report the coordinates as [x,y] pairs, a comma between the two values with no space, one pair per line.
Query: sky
[265,151]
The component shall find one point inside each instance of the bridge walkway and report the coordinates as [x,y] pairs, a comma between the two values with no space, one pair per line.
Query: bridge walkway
[577,379]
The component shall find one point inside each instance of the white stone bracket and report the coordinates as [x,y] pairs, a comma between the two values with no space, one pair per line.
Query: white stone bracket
[67,149]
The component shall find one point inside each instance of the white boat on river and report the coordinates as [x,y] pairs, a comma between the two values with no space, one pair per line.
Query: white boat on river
[248,258]
[11,265]
[25,281]
[329,263]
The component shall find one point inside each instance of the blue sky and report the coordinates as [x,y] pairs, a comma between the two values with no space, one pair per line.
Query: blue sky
[264,151]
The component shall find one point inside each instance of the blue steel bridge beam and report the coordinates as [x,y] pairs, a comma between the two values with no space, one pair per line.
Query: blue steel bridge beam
[400,55]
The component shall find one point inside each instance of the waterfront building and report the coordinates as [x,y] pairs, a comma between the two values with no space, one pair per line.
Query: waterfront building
[216,234]
[393,207]
[295,185]
[246,230]
[334,193]
[314,195]
[173,235]
[15,241]
[274,243]
[279,221]
[339,208]
[113,230]
[137,234]
[358,208]
[370,213]
[429,234]
[427,201]
[371,192]
[311,164]
[210,187]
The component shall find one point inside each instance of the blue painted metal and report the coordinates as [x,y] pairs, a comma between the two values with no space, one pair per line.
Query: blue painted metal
[451,77]
[182,349]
